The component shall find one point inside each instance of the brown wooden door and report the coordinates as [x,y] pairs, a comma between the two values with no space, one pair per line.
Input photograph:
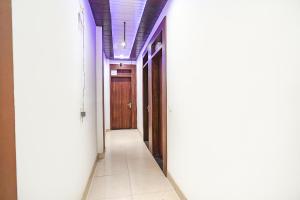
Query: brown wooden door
[8,180]
[145,105]
[121,103]
[155,92]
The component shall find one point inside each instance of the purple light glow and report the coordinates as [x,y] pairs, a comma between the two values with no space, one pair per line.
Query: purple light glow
[129,11]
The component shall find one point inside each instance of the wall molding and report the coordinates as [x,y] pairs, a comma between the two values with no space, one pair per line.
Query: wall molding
[176,187]
[8,173]
[99,156]
[140,132]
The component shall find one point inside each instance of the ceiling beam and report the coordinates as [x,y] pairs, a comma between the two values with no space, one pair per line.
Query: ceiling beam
[151,13]
[102,16]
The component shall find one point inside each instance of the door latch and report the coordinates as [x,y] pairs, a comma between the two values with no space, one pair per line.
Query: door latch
[130,105]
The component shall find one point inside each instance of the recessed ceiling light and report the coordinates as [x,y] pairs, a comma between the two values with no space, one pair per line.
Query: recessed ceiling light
[123,44]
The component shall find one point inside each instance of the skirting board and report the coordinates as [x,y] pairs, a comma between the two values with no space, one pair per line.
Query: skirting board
[176,187]
[101,156]
[140,131]
[89,183]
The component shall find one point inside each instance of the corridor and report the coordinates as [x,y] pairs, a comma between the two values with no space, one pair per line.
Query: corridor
[128,171]
[149,100]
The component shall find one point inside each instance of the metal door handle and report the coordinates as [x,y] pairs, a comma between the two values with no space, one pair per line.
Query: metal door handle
[130,105]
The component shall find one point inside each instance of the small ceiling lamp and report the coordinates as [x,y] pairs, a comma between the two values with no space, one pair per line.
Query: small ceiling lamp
[123,44]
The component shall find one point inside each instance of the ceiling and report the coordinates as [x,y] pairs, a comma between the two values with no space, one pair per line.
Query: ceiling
[140,17]
[151,13]
[129,11]
[101,12]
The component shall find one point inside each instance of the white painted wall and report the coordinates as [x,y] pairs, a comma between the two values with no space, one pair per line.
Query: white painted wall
[55,149]
[139,94]
[106,93]
[100,91]
[233,98]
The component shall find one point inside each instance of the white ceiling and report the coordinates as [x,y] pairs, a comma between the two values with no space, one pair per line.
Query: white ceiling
[129,11]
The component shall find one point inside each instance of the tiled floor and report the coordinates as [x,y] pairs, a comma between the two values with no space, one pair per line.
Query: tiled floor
[129,172]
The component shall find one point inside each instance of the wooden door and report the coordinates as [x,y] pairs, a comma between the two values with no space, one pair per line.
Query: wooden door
[8,180]
[145,106]
[156,105]
[121,103]
[154,62]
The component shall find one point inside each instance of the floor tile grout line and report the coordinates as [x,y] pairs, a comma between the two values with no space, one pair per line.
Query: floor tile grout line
[145,193]
[136,142]
[149,193]
[129,176]
[116,174]
[130,188]
[90,188]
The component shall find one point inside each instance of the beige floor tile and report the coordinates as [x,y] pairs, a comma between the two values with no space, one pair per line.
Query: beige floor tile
[115,186]
[121,198]
[137,152]
[149,182]
[129,172]
[170,195]
[142,165]
[111,167]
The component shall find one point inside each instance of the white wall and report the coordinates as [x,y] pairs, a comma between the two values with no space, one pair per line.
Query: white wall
[55,149]
[139,94]
[233,98]
[106,93]
[100,92]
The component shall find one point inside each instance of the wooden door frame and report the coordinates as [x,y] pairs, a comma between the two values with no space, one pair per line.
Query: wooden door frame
[160,30]
[103,101]
[8,174]
[145,106]
[133,88]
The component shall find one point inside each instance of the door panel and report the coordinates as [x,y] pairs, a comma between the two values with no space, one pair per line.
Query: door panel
[156,105]
[8,180]
[145,105]
[121,103]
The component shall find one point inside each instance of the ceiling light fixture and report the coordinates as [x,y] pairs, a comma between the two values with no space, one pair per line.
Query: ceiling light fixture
[123,44]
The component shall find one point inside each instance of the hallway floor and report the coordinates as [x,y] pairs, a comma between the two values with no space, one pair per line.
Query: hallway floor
[129,172]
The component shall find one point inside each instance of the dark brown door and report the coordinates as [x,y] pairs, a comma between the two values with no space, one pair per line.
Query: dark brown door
[156,106]
[121,103]
[145,105]
[8,180]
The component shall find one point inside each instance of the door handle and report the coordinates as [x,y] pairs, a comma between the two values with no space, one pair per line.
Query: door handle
[130,105]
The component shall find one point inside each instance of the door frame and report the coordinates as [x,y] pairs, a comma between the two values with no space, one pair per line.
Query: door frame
[145,86]
[132,75]
[8,172]
[103,102]
[149,54]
